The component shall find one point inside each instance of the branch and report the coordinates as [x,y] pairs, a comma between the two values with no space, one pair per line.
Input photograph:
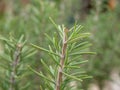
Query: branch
[61,67]
[16,59]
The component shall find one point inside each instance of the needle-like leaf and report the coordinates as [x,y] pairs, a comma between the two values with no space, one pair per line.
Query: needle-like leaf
[43,49]
[73,77]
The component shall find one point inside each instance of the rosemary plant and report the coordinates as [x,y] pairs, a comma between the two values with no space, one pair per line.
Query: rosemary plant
[13,66]
[66,50]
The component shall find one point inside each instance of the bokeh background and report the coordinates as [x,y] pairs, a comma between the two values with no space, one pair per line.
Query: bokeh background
[99,17]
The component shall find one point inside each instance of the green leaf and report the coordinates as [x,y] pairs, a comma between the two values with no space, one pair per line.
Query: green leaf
[78,73]
[79,28]
[78,63]
[50,39]
[46,67]
[4,39]
[73,67]
[73,59]
[85,76]
[53,22]
[58,27]
[30,54]
[43,49]
[78,37]
[26,86]
[52,70]
[21,39]
[71,46]
[75,29]
[41,75]
[60,30]
[8,42]
[81,45]
[72,77]
[5,57]
[81,53]
[55,59]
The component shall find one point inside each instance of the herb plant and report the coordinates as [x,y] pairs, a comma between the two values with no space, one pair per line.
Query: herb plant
[66,50]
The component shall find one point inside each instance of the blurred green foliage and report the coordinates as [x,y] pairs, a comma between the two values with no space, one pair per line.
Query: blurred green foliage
[106,43]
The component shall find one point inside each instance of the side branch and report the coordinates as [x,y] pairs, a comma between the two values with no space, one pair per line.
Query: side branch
[16,58]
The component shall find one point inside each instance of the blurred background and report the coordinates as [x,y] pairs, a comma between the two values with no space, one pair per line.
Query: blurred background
[99,17]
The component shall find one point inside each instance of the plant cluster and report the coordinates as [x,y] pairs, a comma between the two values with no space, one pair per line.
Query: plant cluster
[66,51]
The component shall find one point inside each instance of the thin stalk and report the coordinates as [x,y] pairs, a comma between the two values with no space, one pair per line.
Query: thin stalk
[16,59]
[62,60]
